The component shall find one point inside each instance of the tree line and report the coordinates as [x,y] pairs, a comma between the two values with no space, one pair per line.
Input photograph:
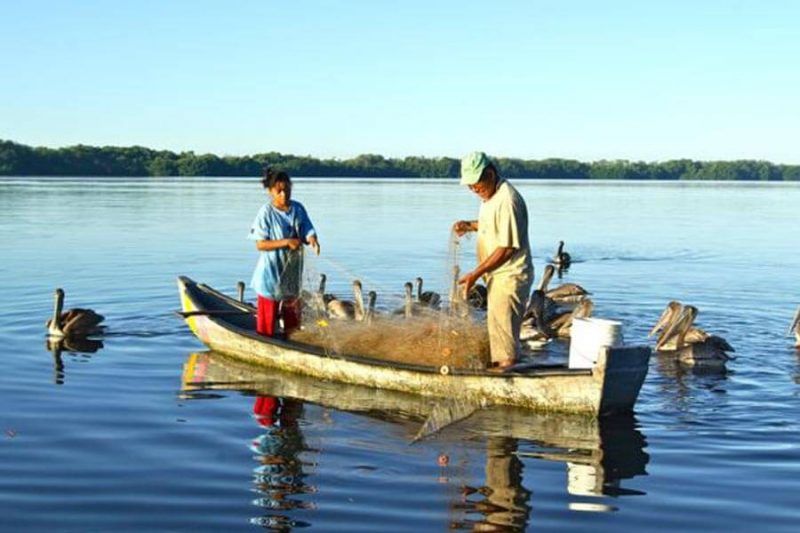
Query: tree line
[22,160]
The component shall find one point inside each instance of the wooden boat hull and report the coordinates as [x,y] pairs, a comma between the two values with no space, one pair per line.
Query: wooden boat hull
[611,386]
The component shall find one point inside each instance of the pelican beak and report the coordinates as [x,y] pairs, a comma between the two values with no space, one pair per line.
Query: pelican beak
[672,309]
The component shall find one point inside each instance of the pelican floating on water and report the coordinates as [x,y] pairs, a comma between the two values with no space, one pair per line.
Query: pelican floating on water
[427,298]
[692,345]
[345,309]
[566,293]
[795,328]
[562,258]
[372,296]
[74,323]
[561,325]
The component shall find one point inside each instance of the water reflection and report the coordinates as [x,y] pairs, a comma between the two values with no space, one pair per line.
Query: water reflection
[598,454]
[75,346]
[279,476]
[503,501]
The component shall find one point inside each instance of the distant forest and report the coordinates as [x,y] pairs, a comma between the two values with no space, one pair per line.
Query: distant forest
[21,160]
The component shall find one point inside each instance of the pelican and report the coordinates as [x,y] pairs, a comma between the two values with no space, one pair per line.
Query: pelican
[795,328]
[566,293]
[561,258]
[317,301]
[535,328]
[562,324]
[408,308]
[478,296]
[371,297]
[692,335]
[345,309]
[359,313]
[428,298]
[706,350]
[74,323]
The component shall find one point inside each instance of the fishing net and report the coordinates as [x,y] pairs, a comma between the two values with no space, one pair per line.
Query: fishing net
[450,333]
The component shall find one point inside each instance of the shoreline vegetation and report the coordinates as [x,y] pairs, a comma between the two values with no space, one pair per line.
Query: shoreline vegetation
[111,161]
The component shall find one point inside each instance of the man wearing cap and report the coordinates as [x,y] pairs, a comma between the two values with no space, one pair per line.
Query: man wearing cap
[504,255]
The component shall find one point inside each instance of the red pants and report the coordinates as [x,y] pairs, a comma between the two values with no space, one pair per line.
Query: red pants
[270,310]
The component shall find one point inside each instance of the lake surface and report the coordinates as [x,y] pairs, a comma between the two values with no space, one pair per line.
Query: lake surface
[152,432]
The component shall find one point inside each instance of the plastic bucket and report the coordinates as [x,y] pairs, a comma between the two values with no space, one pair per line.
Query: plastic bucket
[588,336]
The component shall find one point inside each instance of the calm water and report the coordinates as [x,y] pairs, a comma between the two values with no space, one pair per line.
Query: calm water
[152,432]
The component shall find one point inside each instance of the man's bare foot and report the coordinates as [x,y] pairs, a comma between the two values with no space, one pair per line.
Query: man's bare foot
[502,366]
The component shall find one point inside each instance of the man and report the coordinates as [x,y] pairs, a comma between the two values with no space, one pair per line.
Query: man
[504,255]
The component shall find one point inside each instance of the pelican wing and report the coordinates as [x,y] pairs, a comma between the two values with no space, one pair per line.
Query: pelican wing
[566,290]
[80,321]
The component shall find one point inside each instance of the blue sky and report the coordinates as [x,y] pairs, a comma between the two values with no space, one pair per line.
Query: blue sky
[642,80]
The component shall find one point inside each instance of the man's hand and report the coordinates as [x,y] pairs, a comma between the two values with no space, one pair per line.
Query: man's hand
[463,226]
[314,244]
[468,280]
[293,244]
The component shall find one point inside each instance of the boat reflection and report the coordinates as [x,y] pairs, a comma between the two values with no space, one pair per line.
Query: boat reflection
[599,454]
[76,346]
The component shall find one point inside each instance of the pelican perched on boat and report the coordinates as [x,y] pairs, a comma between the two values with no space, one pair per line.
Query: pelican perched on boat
[693,346]
[795,328]
[428,298]
[73,323]
[562,258]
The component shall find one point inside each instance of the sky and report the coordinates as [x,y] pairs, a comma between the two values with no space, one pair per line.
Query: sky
[646,80]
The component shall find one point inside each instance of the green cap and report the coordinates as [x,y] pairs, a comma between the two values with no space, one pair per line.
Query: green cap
[472,166]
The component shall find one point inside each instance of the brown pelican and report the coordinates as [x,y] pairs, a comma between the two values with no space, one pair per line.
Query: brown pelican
[561,258]
[478,297]
[566,293]
[535,329]
[372,296]
[695,348]
[73,323]
[561,325]
[667,342]
[795,328]
[345,309]
[408,307]
[428,298]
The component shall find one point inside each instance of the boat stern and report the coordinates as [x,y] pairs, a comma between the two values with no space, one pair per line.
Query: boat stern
[624,370]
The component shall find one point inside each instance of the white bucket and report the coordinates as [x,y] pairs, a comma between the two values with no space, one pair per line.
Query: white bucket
[588,336]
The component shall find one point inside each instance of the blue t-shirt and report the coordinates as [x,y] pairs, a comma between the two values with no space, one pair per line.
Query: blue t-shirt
[278,272]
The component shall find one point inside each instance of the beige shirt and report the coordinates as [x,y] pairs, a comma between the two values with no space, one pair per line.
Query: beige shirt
[503,222]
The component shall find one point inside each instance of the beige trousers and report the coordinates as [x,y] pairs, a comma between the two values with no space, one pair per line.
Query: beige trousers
[508,296]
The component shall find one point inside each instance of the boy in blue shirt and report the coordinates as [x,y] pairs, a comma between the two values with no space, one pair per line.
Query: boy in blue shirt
[280,229]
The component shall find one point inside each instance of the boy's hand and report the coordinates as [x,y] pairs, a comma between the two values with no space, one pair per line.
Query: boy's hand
[314,243]
[293,244]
